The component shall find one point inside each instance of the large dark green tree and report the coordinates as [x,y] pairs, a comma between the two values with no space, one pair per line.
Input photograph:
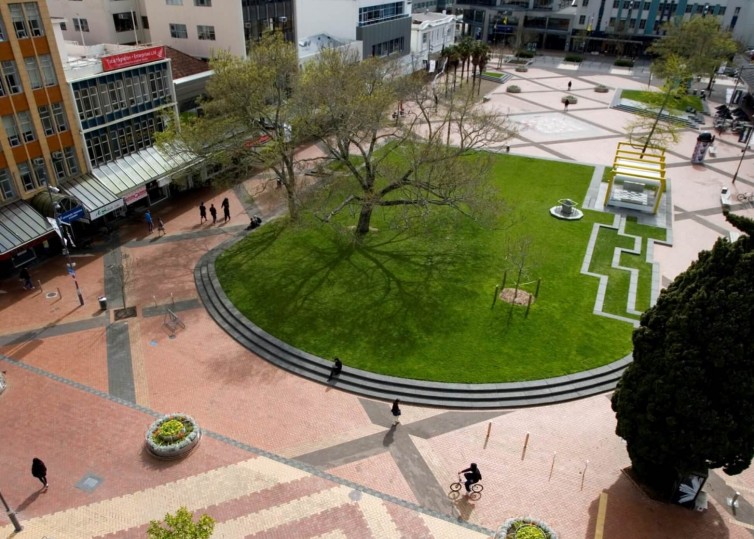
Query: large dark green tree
[686,402]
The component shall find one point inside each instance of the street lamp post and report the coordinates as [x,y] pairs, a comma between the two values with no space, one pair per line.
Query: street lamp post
[11,515]
[69,263]
[743,153]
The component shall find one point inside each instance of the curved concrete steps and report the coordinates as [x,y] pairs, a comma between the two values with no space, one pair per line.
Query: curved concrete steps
[448,395]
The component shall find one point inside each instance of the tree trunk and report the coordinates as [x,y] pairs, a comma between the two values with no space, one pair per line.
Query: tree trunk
[290,191]
[365,217]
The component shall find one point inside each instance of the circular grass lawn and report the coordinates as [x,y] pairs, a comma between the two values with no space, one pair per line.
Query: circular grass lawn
[418,304]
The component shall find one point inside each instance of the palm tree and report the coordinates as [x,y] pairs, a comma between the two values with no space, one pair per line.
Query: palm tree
[453,60]
[479,53]
[464,52]
[484,58]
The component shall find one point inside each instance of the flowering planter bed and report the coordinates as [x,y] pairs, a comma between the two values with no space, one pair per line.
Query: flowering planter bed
[173,436]
[525,528]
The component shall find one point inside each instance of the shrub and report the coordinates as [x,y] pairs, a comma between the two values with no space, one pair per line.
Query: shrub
[522,69]
[525,528]
[571,99]
[601,89]
[525,54]
[624,62]
[182,525]
[573,58]
[513,89]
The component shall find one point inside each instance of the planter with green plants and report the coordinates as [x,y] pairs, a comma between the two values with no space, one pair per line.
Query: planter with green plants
[173,436]
[601,89]
[623,62]
[575,58]
[522,69]
[525,528]
[570,99]
[513,89]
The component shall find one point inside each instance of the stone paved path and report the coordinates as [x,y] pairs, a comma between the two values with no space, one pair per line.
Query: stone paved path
[285,457]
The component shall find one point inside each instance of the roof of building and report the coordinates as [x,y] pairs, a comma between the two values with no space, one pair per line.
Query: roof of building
[429,16]
[184,65]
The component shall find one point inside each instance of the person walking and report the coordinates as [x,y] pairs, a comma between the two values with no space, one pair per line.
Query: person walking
[148,219]
[25,276]
[160,226]
[569,86]
[213,213]
[565,105]
[335,369]
[39,470]
[226,210]
[202,213]
[396,411]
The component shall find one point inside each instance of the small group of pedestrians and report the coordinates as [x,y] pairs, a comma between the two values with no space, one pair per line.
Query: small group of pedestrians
[225,205]
[150,223]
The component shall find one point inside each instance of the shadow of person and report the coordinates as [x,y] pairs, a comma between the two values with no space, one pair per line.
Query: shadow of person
[28,501]
[464,507]
[389,436]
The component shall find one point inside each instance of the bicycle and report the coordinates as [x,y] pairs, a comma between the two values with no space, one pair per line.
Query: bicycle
[455,489]
[745,197]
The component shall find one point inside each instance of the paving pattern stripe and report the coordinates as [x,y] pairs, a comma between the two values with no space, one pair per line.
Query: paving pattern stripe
[443,528]
[195,492]
[120,374]
[335,534]
[48,331]
[246,447]
[227,230]
[283,513]
[378,518]
[347,519]
[599,528]
[138,365]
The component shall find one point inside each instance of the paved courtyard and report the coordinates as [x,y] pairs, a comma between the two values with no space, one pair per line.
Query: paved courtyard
[286,457]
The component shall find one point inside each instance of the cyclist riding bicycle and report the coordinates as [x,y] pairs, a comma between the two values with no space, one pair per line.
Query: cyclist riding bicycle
[472,475]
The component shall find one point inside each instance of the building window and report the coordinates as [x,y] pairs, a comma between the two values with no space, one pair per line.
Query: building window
[206,32]
[11,82]
[178,31]
[721,10]
[27,21]
[584,3]
[124,22]
[688,8]
[27,176]
[80,25]
[145,22]
[379,13]
[27,128]
[40,170]
[3,34]
[174,2]
[70,160]
[642,24]
[203,3]
[387,48]
[582,19]
[6,185]
[58,165]
[45,117]
[616,3]
[48,70]
[63,26]
[32,69]
[647,6]
[34,19]
[11,129]
[58,114]
[18,20]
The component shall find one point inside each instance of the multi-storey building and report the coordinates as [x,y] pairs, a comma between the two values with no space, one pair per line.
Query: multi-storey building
[41,142]
[90,22]
[609,26]
[384,28]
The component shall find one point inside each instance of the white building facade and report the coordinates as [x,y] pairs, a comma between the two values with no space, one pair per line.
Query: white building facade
[431,33]
[89,22]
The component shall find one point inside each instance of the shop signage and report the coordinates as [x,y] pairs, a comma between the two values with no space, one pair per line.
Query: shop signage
[73,214]
[132,58]
[104,210]
[133,196]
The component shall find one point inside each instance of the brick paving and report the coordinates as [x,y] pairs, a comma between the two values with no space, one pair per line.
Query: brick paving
[369,480]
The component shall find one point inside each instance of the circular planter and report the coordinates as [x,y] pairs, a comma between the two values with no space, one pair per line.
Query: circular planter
[522,69]
[571,100]
[513,89]
[173,436]
[525,528]
[601,89]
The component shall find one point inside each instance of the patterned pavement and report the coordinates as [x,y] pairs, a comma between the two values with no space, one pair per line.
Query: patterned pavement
[285,457]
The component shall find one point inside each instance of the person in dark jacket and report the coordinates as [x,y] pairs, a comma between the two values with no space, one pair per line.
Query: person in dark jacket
[26,278]
[226,209]
[202,213]
[39,470]
[472,475]
[213,213]
[335,369]
[396,411]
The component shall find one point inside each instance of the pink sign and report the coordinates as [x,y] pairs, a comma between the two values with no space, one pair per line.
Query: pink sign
[132,197]
[132,58]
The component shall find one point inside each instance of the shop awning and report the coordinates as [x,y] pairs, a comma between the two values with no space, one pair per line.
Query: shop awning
[133,171]
[20,226]
[95,197]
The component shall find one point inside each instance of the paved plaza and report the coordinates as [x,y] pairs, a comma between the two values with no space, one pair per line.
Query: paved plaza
[282,456]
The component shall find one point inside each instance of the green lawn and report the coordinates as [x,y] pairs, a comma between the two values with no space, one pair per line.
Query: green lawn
[656,99]
[493,74]
[418,305]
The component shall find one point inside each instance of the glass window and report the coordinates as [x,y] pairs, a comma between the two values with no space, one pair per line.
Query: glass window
[40,170]
[379,13]
[174,2]
[32,69]
[58,164]
[27,176]
[582,19]
[124,22]
[205,3]
[80,25]
[3,35]
[48,71]
[59,114]
[45,116]
[27,128]
[584,3]
[70,160]
[34,19]
[206,32]
[10,77]
[63,26]
[6,184]
[11,129]
[18,20]
[178,31]
[145,22]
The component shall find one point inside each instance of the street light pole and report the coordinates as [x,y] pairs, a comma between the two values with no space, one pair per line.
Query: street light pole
[69,263]
[11,515]
[743,153]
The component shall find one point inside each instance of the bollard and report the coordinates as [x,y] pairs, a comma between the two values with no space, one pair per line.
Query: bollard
[526,443]
[60,295]
[583,475]
[39,284]
[494,297]
[552,466]
[154,299]
[489,429]
[733,502]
